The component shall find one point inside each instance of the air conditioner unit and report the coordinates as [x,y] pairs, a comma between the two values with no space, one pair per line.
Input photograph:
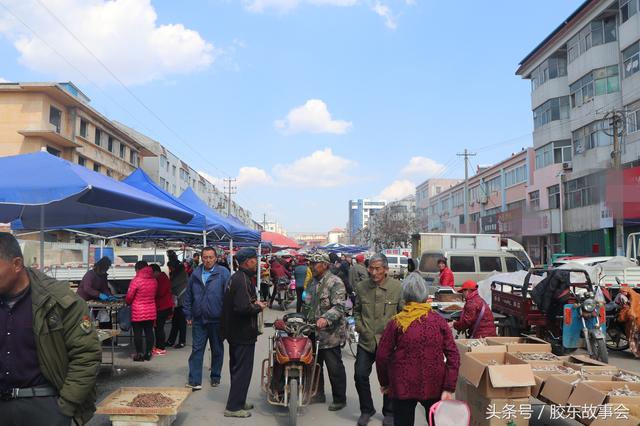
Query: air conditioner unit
[483,199]
[567,165]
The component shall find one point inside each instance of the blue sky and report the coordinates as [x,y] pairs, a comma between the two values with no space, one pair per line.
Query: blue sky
[309,102]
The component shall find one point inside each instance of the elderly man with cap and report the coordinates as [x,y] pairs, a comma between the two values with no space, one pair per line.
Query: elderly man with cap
[239,325]
[325,299]
[476,318]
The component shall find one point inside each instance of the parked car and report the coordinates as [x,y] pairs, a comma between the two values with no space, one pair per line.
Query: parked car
[468,264]
[397,266]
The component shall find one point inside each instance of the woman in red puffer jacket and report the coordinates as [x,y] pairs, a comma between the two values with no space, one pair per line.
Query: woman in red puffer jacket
[164,307]
[142,298]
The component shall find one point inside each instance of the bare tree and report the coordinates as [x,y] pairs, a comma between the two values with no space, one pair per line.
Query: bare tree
[393,226]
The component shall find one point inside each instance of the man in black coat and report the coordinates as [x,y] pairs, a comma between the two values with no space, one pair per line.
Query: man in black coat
[240,312]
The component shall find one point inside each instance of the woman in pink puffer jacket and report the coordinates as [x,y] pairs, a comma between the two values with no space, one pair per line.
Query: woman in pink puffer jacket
[142,298]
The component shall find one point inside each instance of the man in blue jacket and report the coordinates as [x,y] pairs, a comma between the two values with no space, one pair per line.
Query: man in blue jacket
[203,310]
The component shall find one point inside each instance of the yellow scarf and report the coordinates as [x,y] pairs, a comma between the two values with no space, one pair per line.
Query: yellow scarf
[411,312]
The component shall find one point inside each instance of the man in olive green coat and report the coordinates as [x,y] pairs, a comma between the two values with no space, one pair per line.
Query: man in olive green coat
[378,299]
[50,349]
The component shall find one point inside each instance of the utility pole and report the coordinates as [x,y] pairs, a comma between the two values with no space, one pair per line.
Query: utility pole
[230,189]
[264,221]
[616,123]
[466,156]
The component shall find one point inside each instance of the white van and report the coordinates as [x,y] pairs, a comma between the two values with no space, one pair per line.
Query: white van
[397,265]
[466,265]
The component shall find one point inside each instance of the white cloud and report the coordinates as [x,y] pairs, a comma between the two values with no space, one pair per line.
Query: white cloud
[397,190]
[312,117]
[248,176]
[321,169]
[284,6]
[385,12]
[422,167]
[219,182]
[123,34]
[3,80]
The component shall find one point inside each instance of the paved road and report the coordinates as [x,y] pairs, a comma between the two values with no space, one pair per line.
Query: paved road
[206,406]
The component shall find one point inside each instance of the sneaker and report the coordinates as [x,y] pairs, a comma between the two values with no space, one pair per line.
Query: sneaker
[337,406]
[169,344]
[241,414]
[179,346]
[388,420]
[215,383]
[364,418]
[159,352]
[147,356]
[248,406]
[138,358]
[193,387]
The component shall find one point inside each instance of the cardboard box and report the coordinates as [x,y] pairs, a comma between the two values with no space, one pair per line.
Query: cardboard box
[558,388]
[481,408]
[578,361]
[493,377]
[513,358]
[463,346]
[630,373]
[540,375]
[520,344]
[597,393]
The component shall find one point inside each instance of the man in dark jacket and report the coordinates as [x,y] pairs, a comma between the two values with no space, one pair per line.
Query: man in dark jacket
[50,350]
[240,327]
[203,309]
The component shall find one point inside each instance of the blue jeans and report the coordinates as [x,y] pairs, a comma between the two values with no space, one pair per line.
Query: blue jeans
[201,333]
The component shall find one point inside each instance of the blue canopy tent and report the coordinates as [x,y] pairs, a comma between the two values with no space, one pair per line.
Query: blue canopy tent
[155,227]
[39,191]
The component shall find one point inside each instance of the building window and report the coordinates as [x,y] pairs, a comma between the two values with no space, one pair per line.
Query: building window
[553,192]
[109,172]
[133,157]
[553,67]
[552,110]
[84,131]
[458,198]
[173,189]
[55,118]
[474,194]
[516,205]
[174,171]
[594,34]
[631,59]
[562,152]
[82,161]
[96,167]
[163,161]
[515,176]
[598,82]
[591,136]
[628,8]
[98,136]
[51,150]
[123,150]
[583,191]
[163,183]
[110,144]
[633,117]
[534,200]
[493,185]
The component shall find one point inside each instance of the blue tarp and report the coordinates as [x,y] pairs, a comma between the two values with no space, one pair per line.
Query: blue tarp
[158,228]
[236,231]
[70,194]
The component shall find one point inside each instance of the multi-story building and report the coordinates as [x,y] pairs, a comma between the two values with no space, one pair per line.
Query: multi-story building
[360,212]
[582,71]
[496,200]
[424,192]
[58,118]
[311,239]
[274,226]
[393,225]
[336,236]
[175,176]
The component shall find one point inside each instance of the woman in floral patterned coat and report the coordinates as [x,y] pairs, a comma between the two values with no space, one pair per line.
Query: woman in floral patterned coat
[410,359]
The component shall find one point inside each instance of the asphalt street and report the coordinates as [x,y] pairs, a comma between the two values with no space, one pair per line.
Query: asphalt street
[206,407]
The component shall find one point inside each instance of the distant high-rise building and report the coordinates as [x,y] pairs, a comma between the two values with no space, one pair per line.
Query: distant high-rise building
[360,212]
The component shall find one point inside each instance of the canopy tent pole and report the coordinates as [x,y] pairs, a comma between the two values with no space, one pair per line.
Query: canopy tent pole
[259,277]
[155,253]
[42,238]
[101,249]
[204,238]
[231,254]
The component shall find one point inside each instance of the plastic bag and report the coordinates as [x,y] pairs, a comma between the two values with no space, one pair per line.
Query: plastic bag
[599,297]
[449,413]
